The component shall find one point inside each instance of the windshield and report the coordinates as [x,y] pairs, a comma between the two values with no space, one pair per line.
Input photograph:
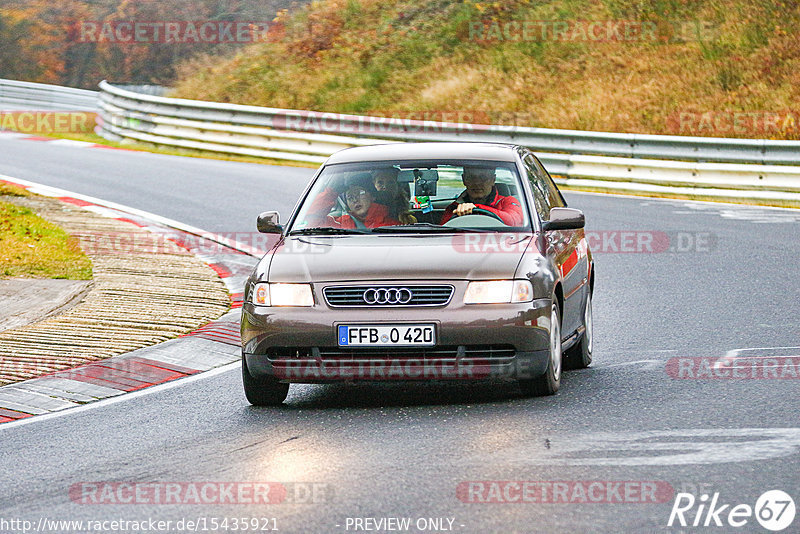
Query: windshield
[414,196]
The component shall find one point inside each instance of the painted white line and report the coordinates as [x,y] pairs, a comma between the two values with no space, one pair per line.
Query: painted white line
[71,142]
[18,394]
[681,200]
[739,351]
[782,367]
[68,386]
[46,190]
[22,408]
[646,364]
[694,446]
[737,354]
[12,135]
[31,386]
[650,351]
[678,190]
[135,394]
[100,210]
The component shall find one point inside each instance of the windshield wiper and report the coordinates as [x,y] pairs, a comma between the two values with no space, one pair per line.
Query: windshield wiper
[424,227]
[325,230]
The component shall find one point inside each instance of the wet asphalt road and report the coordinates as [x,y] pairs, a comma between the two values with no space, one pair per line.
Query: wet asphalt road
[727,283]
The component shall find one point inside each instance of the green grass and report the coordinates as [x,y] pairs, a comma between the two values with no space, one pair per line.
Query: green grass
[31,247]
[381,56]
[11,190]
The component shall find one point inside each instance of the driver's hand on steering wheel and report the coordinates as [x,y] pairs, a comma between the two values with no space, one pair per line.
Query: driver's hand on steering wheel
[464,209]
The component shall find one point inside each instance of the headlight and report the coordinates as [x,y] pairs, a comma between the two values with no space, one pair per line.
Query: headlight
[499,292]
[265,294]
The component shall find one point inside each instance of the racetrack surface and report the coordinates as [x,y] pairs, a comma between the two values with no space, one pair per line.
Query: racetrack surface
[396,450]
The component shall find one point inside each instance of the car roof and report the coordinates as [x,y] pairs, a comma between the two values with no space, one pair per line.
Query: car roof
[425,151]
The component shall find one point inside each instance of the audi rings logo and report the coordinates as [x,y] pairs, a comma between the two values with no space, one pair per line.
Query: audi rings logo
[387,295]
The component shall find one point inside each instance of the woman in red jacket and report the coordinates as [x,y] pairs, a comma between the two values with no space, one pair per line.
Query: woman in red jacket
[362,210]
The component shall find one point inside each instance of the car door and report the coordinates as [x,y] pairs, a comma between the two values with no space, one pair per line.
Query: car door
[564,245]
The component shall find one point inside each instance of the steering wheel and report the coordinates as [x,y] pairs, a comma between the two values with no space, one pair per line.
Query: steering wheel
[479,218]
[481,211]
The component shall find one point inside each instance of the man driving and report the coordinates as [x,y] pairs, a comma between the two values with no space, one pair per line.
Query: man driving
[481,193]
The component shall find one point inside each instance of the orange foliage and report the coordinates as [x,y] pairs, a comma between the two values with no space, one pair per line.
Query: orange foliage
[41,40]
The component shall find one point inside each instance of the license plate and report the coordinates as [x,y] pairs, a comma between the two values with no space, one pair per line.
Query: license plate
[382,335]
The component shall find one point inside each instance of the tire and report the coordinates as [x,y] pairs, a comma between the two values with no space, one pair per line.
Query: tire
[579,356]
[549,382]
[263,391]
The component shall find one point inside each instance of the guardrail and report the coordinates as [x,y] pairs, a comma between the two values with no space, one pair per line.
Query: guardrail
[172,115]
[607,160]
[579,157]
[29,96]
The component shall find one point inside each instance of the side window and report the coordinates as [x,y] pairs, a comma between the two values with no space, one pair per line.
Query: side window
[553,194]
[540,196]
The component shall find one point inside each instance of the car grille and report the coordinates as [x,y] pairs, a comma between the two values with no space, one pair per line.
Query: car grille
[475,352]
[390,295]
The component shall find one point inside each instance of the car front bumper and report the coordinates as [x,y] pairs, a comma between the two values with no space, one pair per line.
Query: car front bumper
[473,342]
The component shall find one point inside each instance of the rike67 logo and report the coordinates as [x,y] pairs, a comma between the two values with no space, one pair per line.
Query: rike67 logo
[774,510]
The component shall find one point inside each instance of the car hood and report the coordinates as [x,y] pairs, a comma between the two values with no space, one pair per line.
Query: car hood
[466,256]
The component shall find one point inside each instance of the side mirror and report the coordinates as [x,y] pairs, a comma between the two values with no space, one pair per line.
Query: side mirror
[564,219]
[267,223]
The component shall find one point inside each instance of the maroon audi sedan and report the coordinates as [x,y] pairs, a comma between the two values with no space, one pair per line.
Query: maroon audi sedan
[421,261]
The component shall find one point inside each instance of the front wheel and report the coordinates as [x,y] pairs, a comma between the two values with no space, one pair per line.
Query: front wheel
[579,356]
[262,391]
[550,381]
